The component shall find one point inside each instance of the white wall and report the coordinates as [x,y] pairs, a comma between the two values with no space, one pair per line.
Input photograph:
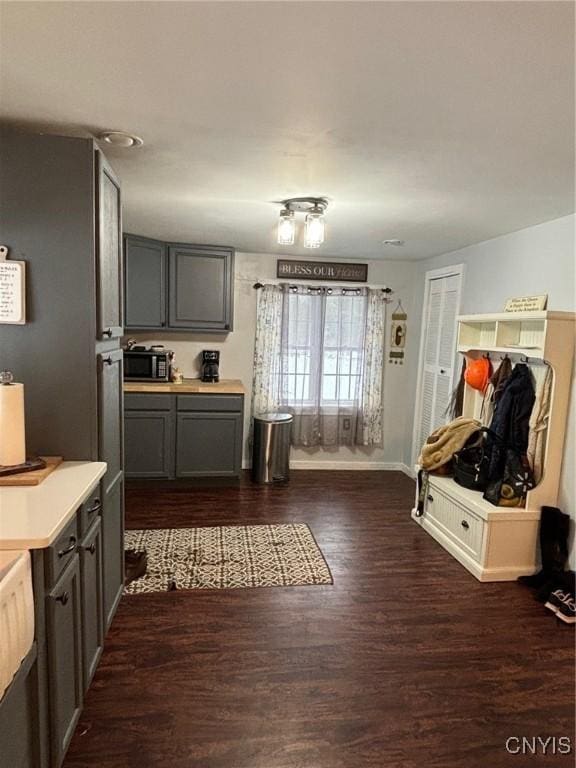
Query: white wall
[237,350]
[536,260]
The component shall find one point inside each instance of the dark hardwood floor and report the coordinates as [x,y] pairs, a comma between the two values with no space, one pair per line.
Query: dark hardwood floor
[406,661]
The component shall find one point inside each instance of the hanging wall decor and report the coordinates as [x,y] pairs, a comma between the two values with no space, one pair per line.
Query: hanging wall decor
[398,335]
[12,289]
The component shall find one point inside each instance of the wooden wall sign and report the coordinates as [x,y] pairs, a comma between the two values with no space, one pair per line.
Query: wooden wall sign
[12,290]
[322,270]
[526,303]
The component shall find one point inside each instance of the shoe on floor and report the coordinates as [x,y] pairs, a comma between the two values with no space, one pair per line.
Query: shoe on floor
[135,565]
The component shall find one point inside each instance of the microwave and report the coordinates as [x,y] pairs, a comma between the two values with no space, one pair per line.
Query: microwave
[147,364]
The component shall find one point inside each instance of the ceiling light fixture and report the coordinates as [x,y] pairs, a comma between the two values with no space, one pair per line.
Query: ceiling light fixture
[314,227]
[121,139]
[286,227]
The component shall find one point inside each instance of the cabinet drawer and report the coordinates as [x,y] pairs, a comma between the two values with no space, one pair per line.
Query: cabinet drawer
[215,403]
[141,401]
[61,552]
[454,521]
[90,510]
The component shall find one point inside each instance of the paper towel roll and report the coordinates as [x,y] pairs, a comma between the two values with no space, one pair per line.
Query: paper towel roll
[12,433]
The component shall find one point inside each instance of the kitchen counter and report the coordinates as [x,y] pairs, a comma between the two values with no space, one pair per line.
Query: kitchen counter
[188,386]
[31,517]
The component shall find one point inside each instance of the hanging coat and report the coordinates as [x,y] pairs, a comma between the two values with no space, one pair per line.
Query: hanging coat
[511,418]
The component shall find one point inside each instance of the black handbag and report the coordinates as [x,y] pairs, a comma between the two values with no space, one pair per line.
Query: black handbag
[472,463]
[510,490]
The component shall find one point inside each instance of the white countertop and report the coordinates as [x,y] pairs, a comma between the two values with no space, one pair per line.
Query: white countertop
[31,517]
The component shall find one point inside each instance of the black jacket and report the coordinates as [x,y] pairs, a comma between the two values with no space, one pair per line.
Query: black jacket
[511,418]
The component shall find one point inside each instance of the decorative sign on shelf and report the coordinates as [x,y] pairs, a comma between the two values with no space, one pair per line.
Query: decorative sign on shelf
[322,270]
[398,335]
[12,290]
[526,304]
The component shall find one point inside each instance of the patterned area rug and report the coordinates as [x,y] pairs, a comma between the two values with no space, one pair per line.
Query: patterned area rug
[228,557]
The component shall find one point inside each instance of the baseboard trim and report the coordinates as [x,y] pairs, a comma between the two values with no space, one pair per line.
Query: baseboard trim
[357,466]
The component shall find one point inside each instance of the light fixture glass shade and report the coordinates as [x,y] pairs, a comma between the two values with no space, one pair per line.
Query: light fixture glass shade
[314,230]
[286,227]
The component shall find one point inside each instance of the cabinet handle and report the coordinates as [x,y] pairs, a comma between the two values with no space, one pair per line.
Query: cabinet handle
[107,332]
[430,497]
[70,548]
[108,360]
[91,548]
[63,598]
[465,524]
[96,507]
[162,323]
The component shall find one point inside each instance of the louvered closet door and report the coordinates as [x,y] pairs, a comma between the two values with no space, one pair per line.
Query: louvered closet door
[438,354]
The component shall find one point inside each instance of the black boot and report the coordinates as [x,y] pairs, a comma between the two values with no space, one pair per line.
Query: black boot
[554,530]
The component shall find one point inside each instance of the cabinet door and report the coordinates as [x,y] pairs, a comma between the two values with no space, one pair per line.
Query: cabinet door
[92,600]
[148,444]
[108,251]
[113,548]
[201,290]
[64,641]
[208,444]
[110,427]
[144,283]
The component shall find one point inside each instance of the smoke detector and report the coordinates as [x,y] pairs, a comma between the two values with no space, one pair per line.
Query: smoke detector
[121,139]
[395,243]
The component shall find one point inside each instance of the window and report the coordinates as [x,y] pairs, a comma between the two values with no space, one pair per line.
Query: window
[322,349]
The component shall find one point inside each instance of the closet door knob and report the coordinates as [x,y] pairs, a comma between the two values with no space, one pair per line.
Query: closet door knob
[91,548]
[465,525]
[430,497]
[442,370]
[63,598]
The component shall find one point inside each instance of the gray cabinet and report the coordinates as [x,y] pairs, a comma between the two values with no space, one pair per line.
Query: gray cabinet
[178,287]
[19,731]
[91,572]
[64,647]
[110,396]
[201,291]
[208,444]
[145,285]
[108,252]
[183,436]
[149,441]
[112,548]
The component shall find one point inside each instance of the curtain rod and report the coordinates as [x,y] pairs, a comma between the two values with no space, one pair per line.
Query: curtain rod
[384,289]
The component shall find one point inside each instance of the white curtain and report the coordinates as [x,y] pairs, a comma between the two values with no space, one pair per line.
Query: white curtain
[319,355]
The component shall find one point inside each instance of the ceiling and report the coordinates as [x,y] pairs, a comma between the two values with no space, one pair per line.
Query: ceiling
[439,123]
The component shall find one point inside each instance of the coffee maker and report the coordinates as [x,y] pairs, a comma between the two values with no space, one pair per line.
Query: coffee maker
[210,363]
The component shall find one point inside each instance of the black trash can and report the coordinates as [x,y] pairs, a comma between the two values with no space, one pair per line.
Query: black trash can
[271,447]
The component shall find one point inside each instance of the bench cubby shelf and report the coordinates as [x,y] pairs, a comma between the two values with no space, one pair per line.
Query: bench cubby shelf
[497,543]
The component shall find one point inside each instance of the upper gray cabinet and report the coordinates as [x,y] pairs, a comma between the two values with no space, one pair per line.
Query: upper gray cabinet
[200,288]
[145,273]
[178,287]
[108,252]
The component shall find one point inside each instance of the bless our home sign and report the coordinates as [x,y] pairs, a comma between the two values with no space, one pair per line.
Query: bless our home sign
[322,270]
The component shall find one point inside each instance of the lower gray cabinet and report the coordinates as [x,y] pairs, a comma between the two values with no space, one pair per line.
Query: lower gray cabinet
[148,444]
[64,652]
[208,444]
[19,732]
[183,436]
[91,571]
[112,548]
